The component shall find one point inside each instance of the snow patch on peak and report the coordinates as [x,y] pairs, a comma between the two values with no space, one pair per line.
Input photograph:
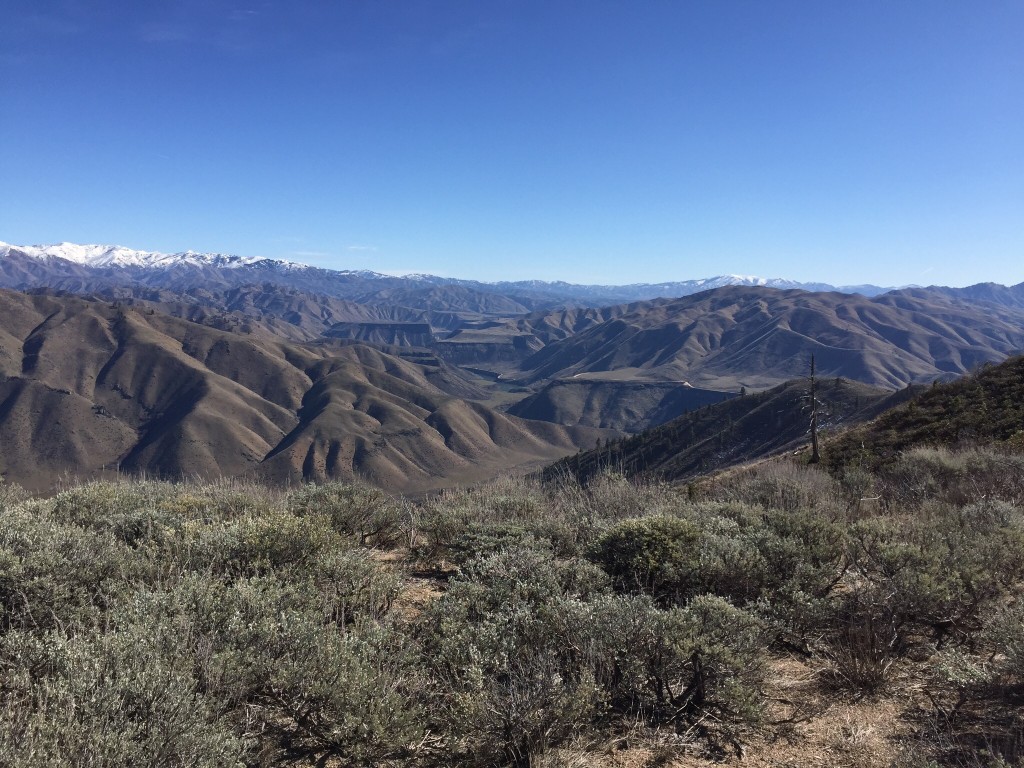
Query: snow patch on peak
[119,256]
[115,256]
[91,255]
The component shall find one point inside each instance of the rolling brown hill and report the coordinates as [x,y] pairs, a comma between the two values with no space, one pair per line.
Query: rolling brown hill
[89,386]
[981,293]
[447,298]
[281,311]
[758,337]
[722,339]
[555,325]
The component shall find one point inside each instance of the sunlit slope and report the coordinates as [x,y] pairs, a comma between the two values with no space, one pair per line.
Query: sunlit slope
[759,337]
[89,386]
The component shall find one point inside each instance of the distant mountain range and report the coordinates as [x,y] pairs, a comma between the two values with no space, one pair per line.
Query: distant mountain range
[197,364]
[100,256]
[759,337]
[105,261]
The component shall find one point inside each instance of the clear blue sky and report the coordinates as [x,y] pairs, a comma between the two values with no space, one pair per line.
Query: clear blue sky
[591,141]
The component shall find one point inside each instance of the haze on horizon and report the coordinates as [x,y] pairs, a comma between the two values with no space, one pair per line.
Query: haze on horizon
[592,142]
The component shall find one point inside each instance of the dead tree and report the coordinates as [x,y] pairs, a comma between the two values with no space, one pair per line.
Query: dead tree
[815,456]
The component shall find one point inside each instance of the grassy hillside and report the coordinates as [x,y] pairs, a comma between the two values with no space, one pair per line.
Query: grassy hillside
[985,407]
[858,425]
[770,619]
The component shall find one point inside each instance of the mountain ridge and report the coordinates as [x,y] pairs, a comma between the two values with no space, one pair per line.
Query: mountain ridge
[114,256]
[759,337]
[193,363]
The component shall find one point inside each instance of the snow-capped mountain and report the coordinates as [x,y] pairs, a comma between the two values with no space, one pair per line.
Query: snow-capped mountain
[113,263]
[721,281]
[119,256]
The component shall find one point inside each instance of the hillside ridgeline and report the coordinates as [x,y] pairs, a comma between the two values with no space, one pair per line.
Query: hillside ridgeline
[758,337]
[739,430]
[984,408]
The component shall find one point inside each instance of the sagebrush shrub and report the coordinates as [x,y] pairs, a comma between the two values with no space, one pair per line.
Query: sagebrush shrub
[784,485]
[11,494]
[354,696]
[940,571]
[956,477]
[368,515]
[252,545]
[678,664]
[511,685]
[123,699]
[53,574]
[264,620]
[352,586]
[656,555]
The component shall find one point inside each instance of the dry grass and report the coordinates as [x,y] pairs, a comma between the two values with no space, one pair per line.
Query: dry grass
[416,595]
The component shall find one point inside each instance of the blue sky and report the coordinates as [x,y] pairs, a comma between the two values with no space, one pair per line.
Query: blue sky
[589,141]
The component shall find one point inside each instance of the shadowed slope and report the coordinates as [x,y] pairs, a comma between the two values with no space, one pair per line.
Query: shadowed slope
[281,311]
[732,432]
[986,408]
[628,406]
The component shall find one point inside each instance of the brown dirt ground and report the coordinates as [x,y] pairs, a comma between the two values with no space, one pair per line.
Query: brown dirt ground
[831,728]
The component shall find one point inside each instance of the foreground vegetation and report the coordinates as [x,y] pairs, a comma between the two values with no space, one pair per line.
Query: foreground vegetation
[516,624]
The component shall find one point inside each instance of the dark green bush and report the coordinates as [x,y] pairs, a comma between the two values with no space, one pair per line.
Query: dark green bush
[368,515]
[732,550]
[510,685]
[531,651]
[654,555]
[676,665]
[748,552]
[942,569]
